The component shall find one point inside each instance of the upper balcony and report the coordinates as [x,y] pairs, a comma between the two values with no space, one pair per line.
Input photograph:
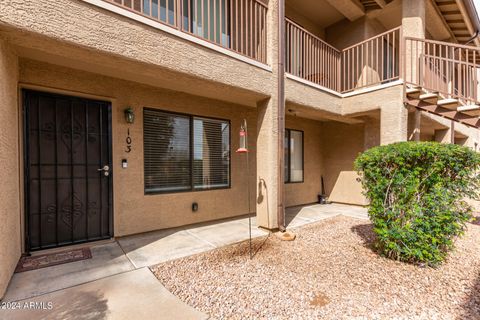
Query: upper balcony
[345,45]
[344,48]
[237,25]
[370,62]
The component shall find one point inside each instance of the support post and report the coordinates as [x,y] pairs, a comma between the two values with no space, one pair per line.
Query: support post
[452,132]
[416,130]
[281,115]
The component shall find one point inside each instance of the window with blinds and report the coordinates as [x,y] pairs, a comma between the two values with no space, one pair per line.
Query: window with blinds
[293,155]
[184,153]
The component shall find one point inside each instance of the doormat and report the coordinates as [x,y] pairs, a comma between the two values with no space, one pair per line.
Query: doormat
[52,259]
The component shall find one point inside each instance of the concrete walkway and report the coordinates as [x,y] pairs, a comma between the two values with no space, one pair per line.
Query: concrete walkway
[131,295]
[116,278]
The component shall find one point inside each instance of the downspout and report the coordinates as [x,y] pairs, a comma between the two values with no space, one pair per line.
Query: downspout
[474,23]
[281,116]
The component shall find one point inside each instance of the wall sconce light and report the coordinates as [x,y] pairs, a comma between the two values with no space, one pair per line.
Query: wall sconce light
[129,115]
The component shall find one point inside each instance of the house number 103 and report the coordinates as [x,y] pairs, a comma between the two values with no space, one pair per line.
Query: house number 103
[128,140]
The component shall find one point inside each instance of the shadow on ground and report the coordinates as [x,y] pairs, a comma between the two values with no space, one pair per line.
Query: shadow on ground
[365,232]
[81,306]
[85,305]
[471,305]
[476,220]
[291,213]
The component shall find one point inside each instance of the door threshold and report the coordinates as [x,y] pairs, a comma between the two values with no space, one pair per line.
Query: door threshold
[71,247]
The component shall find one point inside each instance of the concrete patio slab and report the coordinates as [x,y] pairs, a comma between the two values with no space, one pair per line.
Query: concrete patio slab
[132,295]
[302,215]
[160,246]
[229,232]
[107,259]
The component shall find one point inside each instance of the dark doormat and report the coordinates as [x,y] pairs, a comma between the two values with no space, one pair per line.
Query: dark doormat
[52,259]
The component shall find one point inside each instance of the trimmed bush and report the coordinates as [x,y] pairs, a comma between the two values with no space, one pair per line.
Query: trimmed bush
[416,192]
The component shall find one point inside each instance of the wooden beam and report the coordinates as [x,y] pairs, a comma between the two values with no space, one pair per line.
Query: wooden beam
[351,9]
[473,121]
[446,3]
[381,3]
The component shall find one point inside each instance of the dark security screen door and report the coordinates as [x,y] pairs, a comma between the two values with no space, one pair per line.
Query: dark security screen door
[68,180]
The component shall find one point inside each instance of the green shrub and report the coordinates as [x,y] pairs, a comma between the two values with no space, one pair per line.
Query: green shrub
[416,192]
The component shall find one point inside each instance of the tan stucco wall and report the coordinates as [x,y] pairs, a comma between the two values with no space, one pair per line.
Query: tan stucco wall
[346,33]
[341,144]
[10,238]
[307,191]
[393,113]
[75,33]
[135,212]
[292,13]
[348,189]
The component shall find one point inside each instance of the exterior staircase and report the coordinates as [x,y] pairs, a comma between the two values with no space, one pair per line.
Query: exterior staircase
[434,102]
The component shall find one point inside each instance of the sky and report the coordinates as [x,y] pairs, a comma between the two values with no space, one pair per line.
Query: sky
[477,6]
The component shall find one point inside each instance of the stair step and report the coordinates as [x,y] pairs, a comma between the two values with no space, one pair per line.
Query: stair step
[451,104]
[414,92]
[472,110]
[429,97]
[414,87]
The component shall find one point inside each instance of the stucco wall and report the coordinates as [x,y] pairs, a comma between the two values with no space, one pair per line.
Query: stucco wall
[307,191]
[341,145]
[75,32]
[10,241]
[346,33]
[292,13]
[135,212]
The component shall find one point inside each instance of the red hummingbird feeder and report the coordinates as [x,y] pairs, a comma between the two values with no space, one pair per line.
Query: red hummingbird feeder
[243,138]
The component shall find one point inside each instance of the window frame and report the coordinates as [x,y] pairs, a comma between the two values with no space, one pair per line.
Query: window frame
[192,156]
[287,180]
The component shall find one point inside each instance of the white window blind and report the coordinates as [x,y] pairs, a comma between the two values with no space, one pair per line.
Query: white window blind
[184,153]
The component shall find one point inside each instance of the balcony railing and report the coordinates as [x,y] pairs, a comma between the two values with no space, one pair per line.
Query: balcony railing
[449,69]
[311,58]
[370,62]
[238,25]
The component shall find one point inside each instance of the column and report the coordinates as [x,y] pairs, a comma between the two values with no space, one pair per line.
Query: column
[270,197]
[394,121]
[10,215]
[413,25]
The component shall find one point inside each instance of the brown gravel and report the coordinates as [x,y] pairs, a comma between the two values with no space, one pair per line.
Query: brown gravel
[328,272]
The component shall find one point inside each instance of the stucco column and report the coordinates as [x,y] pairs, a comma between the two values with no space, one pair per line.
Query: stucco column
[10,215]
[413,18]
[443,135]
[413,25]
[267,164]
[268,133]
[414,125]
[393,123]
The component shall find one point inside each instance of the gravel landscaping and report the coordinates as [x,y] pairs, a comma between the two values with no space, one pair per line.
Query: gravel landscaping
[328,272]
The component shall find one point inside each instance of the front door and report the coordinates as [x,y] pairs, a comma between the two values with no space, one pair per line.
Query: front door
[68,177]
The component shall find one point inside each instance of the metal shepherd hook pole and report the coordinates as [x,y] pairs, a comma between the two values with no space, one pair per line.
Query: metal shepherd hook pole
[243,148]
